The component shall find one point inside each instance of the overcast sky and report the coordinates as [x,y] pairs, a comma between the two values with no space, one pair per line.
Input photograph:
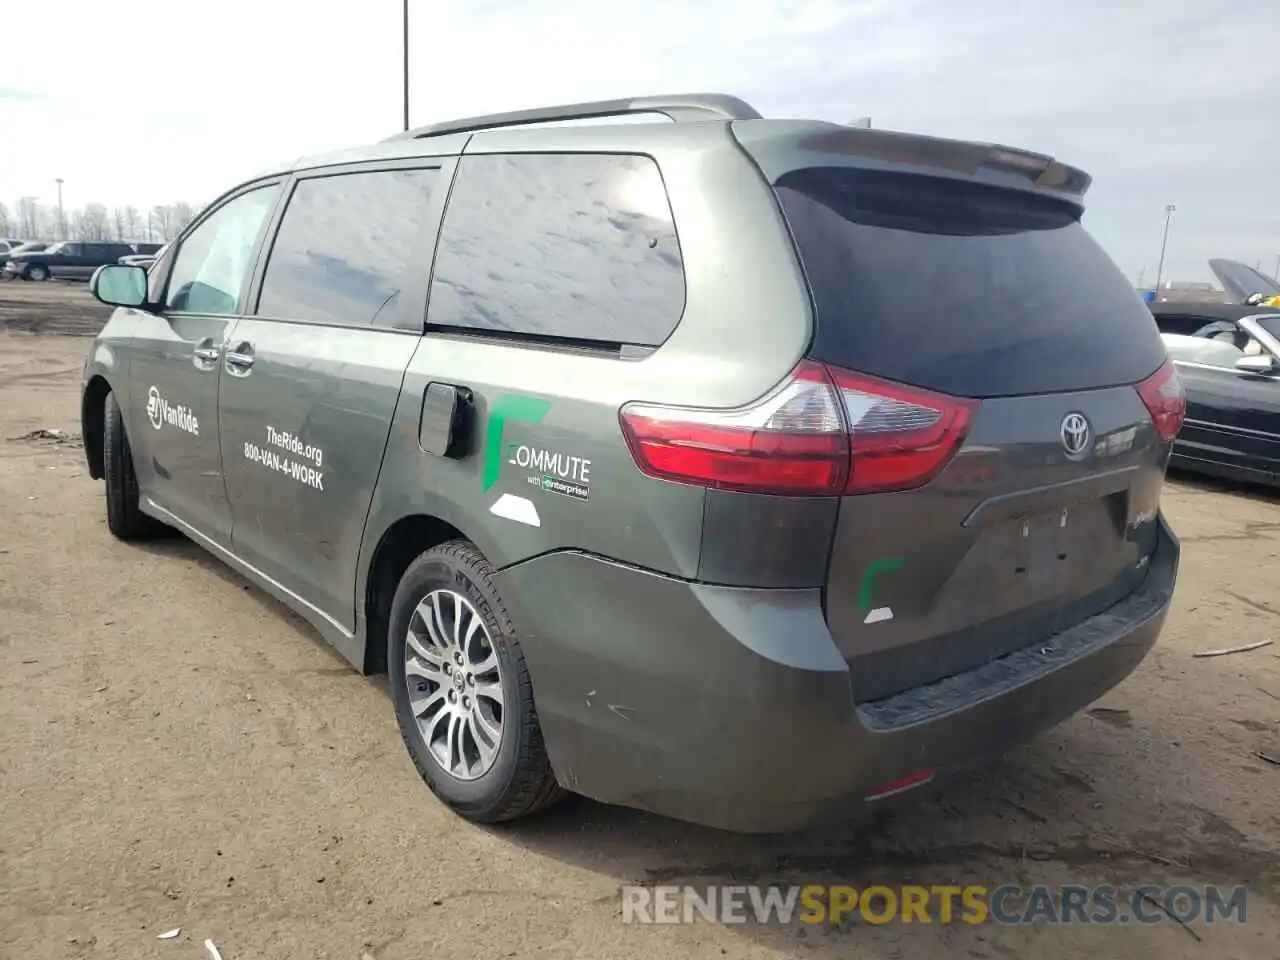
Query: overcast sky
[1166,101]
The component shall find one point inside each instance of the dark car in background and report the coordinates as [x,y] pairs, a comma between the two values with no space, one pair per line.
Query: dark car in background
[65,260]
[1228,358]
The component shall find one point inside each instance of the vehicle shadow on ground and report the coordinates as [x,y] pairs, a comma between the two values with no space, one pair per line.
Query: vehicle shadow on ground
[1019,821]
[1195,483]
[174,544]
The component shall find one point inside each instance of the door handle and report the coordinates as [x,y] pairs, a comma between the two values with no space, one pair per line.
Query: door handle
[205,354]
[239,359]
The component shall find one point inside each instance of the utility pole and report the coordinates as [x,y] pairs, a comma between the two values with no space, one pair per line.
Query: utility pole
[406,64]
[1164,243]
[62,217]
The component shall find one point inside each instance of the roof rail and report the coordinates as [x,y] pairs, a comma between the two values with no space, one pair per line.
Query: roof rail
[681,108]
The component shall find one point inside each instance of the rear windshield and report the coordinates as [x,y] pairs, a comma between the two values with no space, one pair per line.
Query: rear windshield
[961,287]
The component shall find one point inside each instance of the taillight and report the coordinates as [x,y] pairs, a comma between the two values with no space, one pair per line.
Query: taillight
[823,433]
[793,441]
[899,437]
[1166,400]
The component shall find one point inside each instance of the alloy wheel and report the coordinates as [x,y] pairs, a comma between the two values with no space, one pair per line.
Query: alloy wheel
[455,684]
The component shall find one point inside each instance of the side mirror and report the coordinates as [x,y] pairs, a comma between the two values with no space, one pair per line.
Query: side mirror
[1262,363]
[117,285]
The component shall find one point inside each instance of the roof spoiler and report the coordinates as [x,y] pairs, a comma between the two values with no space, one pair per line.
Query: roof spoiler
[681,108]
[1039,168]
[785,146]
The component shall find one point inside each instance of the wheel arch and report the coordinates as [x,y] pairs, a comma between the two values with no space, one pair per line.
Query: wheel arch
[93,402]
[398,546]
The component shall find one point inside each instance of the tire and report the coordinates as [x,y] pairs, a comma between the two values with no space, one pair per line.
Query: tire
[124,518]
[36,272]
[519,781]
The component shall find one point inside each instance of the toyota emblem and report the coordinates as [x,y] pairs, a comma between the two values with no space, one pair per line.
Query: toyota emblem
[1075,434]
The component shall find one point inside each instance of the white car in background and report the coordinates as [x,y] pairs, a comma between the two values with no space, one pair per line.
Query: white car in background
[143,260]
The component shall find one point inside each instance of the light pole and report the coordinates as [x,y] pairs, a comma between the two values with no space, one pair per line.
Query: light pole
[406,64]
[1164,242]
[62,217]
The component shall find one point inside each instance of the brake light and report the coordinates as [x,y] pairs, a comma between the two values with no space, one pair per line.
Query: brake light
[1165,399]
[792,441]
[824,432]
[899,437]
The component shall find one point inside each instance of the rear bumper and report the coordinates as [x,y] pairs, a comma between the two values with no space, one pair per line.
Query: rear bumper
[731,707]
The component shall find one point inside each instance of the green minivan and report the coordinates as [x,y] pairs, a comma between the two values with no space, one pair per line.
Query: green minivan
[749,471]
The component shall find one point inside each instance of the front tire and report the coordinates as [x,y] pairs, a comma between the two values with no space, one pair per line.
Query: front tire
[125,519]
[36,272]
[462,694]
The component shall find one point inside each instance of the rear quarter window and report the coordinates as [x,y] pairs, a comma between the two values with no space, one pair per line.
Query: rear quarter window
[963,288]
[573,247]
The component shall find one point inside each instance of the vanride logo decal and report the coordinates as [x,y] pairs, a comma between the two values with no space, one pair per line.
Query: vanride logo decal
[162,413]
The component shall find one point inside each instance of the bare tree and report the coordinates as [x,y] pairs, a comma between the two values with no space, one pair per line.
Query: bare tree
[132,223]
[162,219]
[29,218]
[92,223]
[48,224]
[117,222]
[182,215]
[5,226]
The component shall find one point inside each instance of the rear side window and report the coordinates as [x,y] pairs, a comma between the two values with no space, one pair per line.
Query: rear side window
[576,247]
[344,248]
[962,288]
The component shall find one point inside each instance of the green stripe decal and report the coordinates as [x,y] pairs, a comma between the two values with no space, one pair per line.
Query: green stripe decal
[874,569]
[509,407]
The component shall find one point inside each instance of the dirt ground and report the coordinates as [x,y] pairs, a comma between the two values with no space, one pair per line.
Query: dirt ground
[50,307]
[177,750]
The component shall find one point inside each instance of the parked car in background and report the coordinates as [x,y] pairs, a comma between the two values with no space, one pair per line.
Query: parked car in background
[65,260]
[31,246]
[9,245]
[147,254]
[1228,358]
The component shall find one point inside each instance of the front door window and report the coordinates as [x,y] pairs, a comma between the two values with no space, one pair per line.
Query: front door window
[212,264]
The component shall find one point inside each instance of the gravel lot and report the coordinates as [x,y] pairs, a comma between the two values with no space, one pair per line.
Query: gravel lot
[180,751]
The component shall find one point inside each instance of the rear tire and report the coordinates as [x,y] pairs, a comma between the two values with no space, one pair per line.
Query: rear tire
[125,519]
[515,780]
[36,272]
